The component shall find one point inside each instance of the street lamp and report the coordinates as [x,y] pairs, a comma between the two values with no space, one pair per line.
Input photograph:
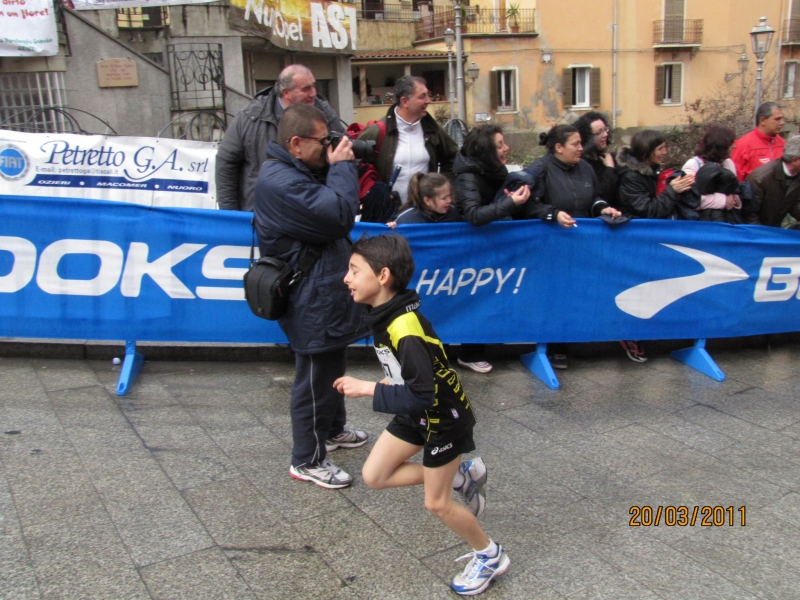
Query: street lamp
[449,40]
[761,37]
[743,63]
[473,71]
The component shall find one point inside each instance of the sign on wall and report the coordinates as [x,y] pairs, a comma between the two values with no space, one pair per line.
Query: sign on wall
[147,171]
[117,72]
[309,26]
[28,28]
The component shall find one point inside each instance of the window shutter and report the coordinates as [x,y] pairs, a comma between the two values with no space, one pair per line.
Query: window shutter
[493,85]
[673,10]
[594,87]
[785,81]
[566,79]
[677,92]
[660,84]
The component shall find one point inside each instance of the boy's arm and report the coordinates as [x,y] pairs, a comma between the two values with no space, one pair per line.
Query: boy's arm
[418,392]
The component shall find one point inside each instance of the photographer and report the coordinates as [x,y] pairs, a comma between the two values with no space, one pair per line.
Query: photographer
[305,202]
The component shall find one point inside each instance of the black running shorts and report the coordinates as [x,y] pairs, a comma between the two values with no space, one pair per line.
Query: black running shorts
[435,453]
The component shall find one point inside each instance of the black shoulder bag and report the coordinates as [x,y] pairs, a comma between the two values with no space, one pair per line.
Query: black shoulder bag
[268,281]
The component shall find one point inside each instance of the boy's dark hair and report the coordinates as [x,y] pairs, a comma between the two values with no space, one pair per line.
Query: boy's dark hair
[390,251]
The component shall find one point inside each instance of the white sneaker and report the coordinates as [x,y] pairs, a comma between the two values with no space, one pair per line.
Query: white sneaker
[349,438]
[471,491]
[325,474]
[479,572]
[480,366]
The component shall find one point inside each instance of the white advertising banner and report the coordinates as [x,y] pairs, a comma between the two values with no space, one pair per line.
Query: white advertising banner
[28,28]
[146,171]
[97,4]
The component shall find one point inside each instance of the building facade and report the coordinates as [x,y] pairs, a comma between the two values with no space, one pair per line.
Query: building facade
[542,62]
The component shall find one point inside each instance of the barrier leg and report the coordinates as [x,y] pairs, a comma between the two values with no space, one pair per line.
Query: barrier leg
[538,363]
[698,358]
[130,368]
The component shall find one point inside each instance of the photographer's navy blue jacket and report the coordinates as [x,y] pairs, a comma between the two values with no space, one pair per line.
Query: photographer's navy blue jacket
[295,210]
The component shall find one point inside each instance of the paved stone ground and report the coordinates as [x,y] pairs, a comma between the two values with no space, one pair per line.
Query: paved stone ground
[181,490]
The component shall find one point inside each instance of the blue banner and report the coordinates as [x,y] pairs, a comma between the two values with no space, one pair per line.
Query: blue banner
[83,269]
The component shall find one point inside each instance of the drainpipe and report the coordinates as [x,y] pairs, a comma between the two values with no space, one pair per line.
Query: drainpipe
[614,69]
[778,82]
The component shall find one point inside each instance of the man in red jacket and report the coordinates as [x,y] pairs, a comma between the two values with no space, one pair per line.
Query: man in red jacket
[761,145]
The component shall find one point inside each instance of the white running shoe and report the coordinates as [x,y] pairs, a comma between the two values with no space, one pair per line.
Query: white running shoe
[325,474]
[479,572]
[480,366]
[471,491]
[349,438]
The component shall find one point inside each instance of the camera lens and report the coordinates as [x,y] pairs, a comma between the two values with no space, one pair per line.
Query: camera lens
[363,149]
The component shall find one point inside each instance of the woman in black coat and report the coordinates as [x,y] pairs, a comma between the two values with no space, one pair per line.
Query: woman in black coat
[638,168]
[566,186]
[480,170]
[596,139]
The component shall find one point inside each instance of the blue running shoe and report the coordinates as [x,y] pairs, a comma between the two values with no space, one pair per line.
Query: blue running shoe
[471,491]
[479,572]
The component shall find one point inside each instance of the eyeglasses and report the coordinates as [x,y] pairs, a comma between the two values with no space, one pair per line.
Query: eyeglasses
[324,141]
[602,131]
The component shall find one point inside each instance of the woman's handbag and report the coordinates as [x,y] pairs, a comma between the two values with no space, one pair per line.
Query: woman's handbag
[268,281]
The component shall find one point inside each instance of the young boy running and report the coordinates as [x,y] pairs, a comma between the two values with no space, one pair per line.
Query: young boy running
[431,410]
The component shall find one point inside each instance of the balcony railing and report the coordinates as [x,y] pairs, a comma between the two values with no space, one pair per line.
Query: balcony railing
[678,32]
[375,10]
[791,32]
[475,21]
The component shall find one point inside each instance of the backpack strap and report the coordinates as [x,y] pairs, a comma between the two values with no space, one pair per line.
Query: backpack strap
[381,135]
[303,266]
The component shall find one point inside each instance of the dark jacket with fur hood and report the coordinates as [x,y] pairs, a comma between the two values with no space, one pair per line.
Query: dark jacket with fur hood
[637,190]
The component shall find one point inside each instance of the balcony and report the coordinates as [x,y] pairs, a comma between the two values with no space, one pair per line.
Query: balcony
[678,33]
[475,21]
[791,32]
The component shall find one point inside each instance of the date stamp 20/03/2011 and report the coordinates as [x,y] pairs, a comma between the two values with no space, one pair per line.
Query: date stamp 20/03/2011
[682,516]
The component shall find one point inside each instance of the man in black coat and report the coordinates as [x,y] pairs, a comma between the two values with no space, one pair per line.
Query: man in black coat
[244,148]
[306,197]
[776,185]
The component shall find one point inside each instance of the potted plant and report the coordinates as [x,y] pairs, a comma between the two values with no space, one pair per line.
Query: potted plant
[512,14]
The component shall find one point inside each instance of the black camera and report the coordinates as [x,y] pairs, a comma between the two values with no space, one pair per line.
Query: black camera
[362,149]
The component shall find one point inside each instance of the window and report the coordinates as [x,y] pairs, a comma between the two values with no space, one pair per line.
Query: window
[789,78]
[24,98]
[581,87]
[669,83]
[504,89]
[146,17]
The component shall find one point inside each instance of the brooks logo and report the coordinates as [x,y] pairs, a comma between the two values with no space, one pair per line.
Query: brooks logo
[647,299]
